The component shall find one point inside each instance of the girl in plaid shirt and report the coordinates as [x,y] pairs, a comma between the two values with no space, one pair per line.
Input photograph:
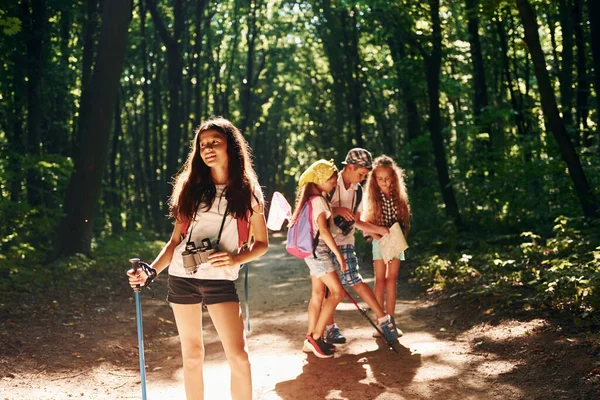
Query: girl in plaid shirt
[386,203]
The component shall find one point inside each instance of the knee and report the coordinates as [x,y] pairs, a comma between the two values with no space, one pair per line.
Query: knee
[337,294]
[192,352]
[238,359]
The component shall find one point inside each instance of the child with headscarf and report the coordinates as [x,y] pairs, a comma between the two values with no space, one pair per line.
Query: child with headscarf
[318,180]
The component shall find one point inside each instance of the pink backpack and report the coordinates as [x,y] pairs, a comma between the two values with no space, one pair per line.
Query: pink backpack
[300,242]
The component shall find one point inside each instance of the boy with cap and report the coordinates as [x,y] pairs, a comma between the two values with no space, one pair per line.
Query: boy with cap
[357,166]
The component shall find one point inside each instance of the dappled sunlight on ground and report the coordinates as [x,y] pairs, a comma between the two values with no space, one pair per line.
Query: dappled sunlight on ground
[444,354]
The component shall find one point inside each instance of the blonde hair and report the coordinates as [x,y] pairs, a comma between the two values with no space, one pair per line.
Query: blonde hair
[373,206]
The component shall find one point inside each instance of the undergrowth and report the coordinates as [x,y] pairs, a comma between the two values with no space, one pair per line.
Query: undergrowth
[559,272]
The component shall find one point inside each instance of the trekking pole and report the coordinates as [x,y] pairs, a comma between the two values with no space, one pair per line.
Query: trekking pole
[135,263]
[373,324]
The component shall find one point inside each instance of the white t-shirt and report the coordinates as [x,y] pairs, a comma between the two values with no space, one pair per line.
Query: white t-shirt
[343,197]
[319,206]
[206,225]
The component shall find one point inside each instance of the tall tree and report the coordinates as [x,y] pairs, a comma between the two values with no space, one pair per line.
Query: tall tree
[174,77]
[480,96]
[34,18]
[549,106]
[594,16]
[433,64]
[74,233]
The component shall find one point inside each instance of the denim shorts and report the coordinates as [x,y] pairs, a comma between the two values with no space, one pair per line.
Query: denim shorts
[377,252]
[205,291]
[321,265]
[351,277]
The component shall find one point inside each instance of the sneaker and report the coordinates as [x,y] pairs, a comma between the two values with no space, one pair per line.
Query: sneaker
[334,335]
[400,333]
[307,348]
[318,347]
[388,328]
[376,334]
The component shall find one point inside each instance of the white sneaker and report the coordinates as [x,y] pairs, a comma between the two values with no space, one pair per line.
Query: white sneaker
[306,347]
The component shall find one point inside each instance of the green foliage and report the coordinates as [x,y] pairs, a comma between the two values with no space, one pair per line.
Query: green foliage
[9,25]
[560,272]
[23,272]
[25,229]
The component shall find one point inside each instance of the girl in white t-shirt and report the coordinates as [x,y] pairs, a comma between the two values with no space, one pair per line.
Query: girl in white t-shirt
[320,178]
[215,194]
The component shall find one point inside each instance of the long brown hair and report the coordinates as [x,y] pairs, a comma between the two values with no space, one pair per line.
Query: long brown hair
[373,205]
[193,184]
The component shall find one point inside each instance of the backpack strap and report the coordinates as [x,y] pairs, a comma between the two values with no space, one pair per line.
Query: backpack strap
[359,193]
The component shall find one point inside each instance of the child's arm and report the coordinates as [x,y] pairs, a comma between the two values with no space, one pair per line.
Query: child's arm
[369,228]
[329,241]
[344,212]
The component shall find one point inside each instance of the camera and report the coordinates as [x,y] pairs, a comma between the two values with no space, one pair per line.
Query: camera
[194,256]
[344,224]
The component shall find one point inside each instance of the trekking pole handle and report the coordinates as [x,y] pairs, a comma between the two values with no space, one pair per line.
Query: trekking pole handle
[135,264]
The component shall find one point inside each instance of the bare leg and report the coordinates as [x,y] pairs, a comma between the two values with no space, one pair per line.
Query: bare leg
[390,286]
[315,303]
[189,325]
[227,318]
[365,293]
[380,280]
[336,294]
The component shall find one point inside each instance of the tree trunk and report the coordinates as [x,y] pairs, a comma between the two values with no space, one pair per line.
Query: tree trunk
[583,86]
[594,17]
[432,70]
[87,63]
[112,193]
[480,96]
[550,109]
[517,109]
[198,67]
[34,27]
[174,78]
[246,89]
[15,136]
[566,67]
[149,168]
[74,234]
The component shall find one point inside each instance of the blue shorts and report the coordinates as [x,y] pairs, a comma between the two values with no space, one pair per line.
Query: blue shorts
[377,252]
[321,265]
[351,277]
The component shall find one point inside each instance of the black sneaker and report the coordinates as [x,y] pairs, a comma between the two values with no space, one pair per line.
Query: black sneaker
[319,347]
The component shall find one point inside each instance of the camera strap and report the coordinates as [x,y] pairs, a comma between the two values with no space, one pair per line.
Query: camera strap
[220,229]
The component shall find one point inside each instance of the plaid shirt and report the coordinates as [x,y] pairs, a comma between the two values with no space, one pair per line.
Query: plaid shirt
[389,214]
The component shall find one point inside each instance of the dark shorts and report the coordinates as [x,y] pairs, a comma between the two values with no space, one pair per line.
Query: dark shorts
[205,291]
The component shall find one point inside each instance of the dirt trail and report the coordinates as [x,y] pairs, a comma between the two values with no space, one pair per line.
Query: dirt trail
[88,349]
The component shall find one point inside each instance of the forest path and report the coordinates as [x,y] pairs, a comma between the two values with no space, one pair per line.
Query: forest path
[88,349]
